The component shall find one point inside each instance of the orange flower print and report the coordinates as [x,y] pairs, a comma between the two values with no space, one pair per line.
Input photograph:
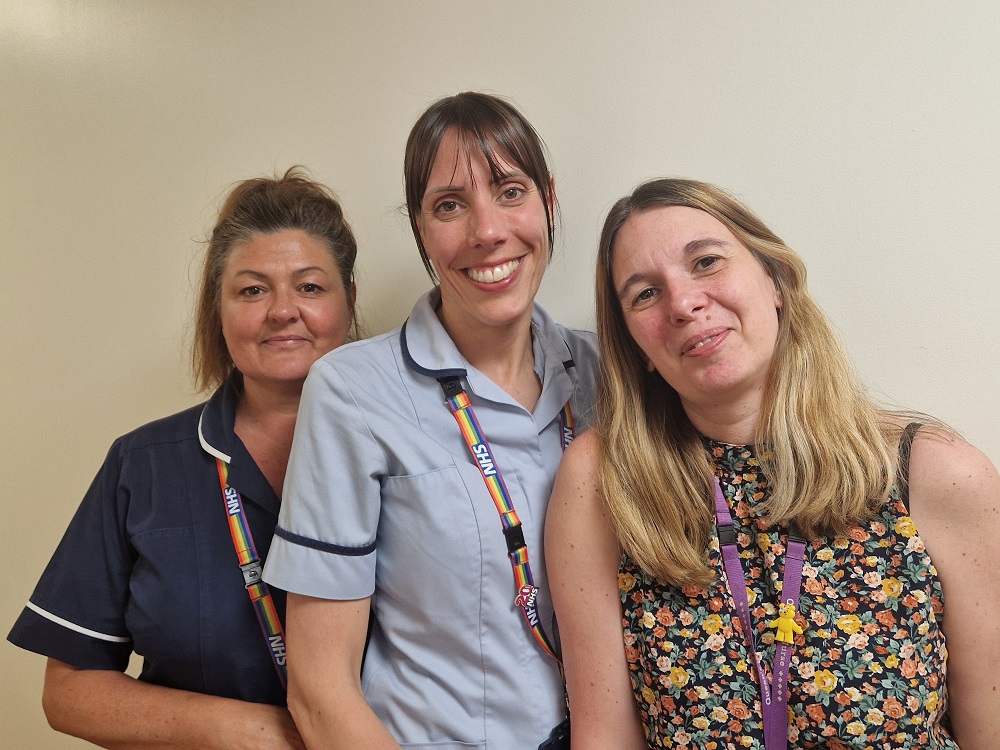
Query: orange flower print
[858,534]
[815,712]
[738,708]
[886,618]
[893,708]
[812,586]
[665,617]
[867,672]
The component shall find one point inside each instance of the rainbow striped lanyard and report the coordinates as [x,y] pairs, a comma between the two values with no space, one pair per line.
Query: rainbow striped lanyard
[250,565]
[517,549]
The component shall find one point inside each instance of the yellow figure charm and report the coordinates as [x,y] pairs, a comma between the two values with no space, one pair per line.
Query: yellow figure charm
[785,624]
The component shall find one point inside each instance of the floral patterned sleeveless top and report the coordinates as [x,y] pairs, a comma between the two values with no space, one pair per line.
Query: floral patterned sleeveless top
[868,671]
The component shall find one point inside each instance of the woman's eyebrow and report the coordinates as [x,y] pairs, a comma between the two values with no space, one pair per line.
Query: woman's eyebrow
[702,242]
[629,283]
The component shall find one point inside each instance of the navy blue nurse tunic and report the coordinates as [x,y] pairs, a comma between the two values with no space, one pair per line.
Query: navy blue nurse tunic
[147,563]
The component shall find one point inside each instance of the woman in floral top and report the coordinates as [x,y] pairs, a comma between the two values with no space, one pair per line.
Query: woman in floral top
[723,378]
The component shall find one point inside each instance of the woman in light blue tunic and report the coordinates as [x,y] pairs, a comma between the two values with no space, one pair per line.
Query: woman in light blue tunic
[386,514]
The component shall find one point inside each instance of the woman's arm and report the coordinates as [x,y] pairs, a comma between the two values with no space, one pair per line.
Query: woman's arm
[326,641]
[582,558]
[113,710]
[955,505]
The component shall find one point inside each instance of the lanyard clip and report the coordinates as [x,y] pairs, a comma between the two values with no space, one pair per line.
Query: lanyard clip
[252,573]
[515,538]
[727,534]
[451,386]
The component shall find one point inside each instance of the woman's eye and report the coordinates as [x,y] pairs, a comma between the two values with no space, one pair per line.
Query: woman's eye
[707,262]
[446,207]
[311,288]
[644,296]
[513,192]
[251,291]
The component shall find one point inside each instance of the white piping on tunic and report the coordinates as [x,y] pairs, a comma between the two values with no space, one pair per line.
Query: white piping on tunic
[208,448]
[79,629]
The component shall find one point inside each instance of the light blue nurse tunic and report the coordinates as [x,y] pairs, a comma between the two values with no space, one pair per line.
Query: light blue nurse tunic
[383,499]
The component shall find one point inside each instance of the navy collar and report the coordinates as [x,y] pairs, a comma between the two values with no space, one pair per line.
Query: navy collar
[428,350]
[217,435]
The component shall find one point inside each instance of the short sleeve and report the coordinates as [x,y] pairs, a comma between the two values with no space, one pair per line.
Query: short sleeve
[77,611]
[324,545]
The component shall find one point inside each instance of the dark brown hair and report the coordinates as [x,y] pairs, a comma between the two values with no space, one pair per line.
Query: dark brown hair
[489,123]
[264,205]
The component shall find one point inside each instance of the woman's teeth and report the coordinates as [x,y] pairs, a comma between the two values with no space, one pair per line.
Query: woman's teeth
[495,274]
[703,342]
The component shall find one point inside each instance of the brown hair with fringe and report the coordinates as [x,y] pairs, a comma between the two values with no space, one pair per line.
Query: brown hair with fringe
[485,122]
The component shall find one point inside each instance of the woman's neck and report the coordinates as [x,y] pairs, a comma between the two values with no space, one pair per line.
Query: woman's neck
[504,354]
[265,422]
[733,423]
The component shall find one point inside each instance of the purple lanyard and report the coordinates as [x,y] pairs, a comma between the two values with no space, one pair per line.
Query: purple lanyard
[775,704]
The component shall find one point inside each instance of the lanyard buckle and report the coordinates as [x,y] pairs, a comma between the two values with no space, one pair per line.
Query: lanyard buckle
[252,573]
[515,539]
[727,535]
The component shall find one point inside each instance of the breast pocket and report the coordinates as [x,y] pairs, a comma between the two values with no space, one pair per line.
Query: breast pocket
[429,543]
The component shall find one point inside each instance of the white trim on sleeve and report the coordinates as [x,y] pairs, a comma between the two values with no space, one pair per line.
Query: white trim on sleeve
[67,624]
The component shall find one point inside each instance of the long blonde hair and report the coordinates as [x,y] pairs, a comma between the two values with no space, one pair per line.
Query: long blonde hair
[829,457]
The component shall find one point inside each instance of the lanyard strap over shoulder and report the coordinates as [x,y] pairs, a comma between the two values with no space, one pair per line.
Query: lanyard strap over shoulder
[774,696]
[517,549]
[246,554]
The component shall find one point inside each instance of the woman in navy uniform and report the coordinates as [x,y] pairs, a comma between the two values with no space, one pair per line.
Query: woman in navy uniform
[149,563]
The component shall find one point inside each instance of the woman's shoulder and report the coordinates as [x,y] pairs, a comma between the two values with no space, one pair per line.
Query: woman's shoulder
[174,428]
[584,452]
[951,478]
[578,480]
[361,360]
[581,343]
[372,349]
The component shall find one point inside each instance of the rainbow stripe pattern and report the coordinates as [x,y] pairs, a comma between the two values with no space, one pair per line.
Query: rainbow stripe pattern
[482,454]
[246,555]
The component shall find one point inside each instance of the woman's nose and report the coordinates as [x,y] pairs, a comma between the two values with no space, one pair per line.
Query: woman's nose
[488,226]
[686,299]
[283,307]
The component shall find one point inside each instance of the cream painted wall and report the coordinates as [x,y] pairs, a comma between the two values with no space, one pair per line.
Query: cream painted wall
[866,134]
